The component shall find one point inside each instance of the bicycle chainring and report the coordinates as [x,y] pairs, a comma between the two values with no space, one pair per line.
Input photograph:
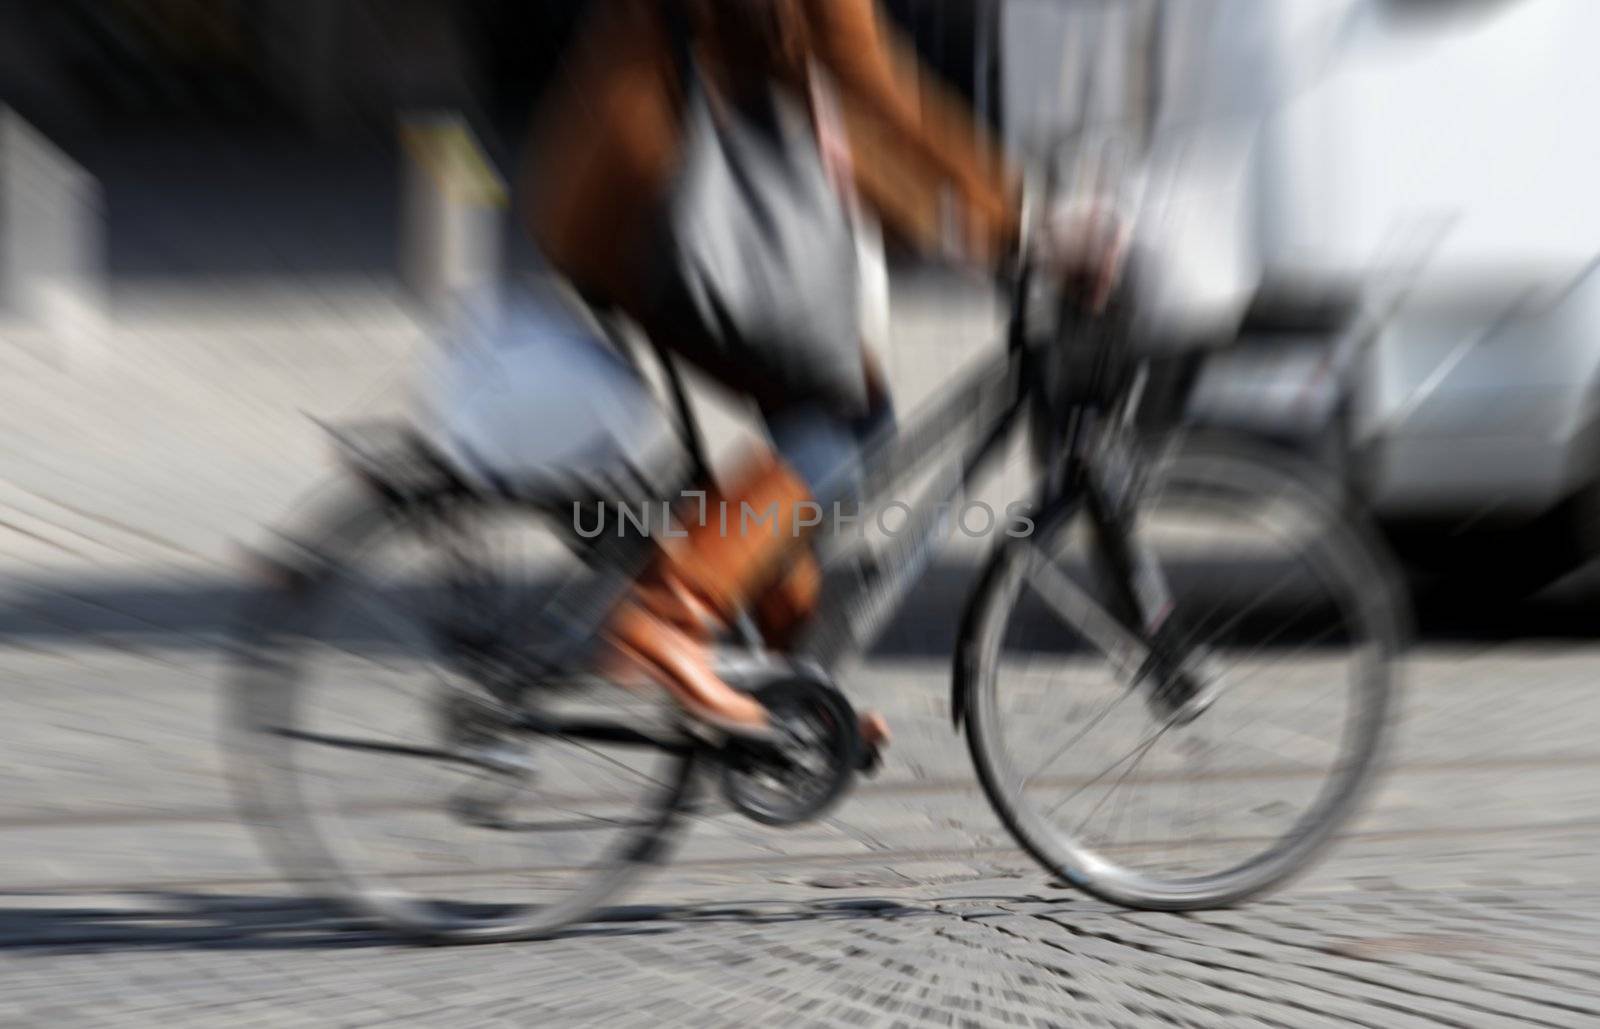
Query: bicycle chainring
[810,766]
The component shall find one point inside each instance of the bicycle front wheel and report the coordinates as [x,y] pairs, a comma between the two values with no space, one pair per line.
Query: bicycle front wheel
[376,727]
[1289,623]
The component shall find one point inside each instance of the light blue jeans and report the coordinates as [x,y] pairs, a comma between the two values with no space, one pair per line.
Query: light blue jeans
[823,448]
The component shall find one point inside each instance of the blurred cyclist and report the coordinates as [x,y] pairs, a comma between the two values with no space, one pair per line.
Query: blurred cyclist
[604,156]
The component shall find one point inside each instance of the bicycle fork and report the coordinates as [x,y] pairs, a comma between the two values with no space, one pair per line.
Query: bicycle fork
[1140,594]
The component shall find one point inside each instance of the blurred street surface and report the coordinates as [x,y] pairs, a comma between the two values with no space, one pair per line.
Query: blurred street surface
[129,894]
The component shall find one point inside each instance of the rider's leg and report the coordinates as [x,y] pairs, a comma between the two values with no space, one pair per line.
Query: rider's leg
[720,568]
[701,580]
[825,450]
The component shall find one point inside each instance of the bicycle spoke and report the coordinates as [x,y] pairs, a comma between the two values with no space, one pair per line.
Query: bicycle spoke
[1138,749]
[608,759]
[1062,750]
[1278,587]
[1254,673]
[1138,755]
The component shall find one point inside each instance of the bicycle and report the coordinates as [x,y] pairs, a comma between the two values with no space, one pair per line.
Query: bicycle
[1117,575]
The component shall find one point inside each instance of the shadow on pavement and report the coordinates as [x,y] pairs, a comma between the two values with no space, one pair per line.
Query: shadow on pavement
[195,612]
[212,921]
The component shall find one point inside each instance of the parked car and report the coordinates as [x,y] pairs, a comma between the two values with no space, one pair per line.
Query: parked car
[1463,417]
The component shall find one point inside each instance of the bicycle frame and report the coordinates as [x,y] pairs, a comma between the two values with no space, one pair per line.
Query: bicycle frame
[1071,397]
[977,417]
[1077,396]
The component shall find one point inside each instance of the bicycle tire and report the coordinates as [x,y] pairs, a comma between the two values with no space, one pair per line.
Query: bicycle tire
[265,690]
[1342,551]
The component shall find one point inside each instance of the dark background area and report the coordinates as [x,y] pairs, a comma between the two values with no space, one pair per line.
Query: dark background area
[239,137]
[330,68]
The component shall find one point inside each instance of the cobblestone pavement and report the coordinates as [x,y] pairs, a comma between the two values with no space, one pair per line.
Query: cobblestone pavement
[1467,896]
[981,951]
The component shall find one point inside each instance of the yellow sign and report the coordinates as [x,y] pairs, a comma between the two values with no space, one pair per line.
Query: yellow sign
[448,152]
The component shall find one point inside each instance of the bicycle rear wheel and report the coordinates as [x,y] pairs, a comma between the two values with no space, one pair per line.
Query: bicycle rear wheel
[1291,625]
[374,728]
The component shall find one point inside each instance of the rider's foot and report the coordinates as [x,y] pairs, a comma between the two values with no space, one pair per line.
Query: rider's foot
[681,663]
[874,741]
[647,650]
